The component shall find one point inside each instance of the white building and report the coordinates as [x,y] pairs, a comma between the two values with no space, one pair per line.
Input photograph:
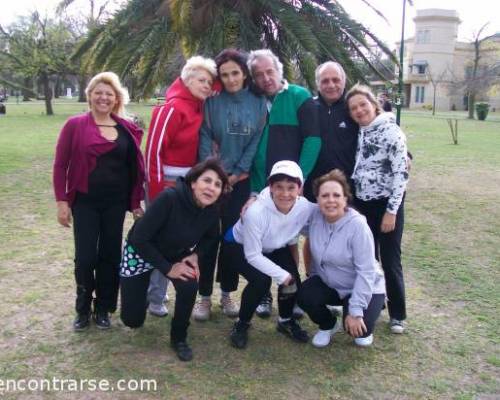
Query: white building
[434,54]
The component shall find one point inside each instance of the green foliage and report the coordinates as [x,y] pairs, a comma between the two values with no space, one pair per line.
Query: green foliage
[148,36]
[482,109]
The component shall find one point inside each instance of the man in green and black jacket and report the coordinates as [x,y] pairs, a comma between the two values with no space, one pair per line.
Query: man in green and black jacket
[292,131]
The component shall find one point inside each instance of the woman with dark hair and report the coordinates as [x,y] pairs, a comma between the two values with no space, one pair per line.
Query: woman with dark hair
[344,270]
[98,175]
[170,238]
[231,131]
[380,177]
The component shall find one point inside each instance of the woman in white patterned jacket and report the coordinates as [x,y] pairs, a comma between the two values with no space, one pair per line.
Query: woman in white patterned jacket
[380,177]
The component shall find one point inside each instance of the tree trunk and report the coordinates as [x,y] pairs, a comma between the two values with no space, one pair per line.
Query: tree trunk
[434,101]
[27,84]
[82,84]
[471,100]
[47,94]
[57,87]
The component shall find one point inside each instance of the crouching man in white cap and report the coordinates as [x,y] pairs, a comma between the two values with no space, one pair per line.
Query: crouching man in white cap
[259,250]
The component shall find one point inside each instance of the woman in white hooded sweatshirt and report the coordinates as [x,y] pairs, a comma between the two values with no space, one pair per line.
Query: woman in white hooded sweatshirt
[380,177]
[344,270]
[258,247]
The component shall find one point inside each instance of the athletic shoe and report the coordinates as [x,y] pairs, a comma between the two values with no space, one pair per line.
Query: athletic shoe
[81,322]
[364,341]
[158,310]
[182,349]
[265,307]
[239,334]
[229,307]
[397,326]
[322,338]
[292,329]
[102,320]
[201,311]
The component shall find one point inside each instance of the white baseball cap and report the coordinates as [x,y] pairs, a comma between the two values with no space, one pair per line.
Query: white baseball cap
[288,168]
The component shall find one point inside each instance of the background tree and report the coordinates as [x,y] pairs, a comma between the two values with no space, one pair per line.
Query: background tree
[482,72]
[91,14]
[147,37]
[37,49]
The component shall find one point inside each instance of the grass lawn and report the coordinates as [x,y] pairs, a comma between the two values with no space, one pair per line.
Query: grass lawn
[451,259]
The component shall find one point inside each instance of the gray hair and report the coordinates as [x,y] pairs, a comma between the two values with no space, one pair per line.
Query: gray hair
[194,64]
[321,67]
[257,54]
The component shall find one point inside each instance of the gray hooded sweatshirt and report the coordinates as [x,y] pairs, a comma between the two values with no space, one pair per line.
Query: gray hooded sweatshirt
[343,256]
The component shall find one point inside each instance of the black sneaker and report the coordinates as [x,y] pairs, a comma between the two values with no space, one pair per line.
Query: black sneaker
[182,349]
[102,320]
[292,329]
[239,334]
[81,322]
[265,307]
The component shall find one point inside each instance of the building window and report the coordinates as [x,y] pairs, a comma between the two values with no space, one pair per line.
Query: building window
[423,36]
[419,94]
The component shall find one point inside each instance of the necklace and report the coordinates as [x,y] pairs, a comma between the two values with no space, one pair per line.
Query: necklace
[107,126]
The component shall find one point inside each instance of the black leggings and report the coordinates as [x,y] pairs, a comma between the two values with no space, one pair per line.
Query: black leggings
[260,283]
[227,275]
[314,295]
[98,229]
[134,303]
[388,252]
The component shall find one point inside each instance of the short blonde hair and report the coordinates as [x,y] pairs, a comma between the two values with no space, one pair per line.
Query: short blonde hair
[194,64]
[364,91]
[111,79]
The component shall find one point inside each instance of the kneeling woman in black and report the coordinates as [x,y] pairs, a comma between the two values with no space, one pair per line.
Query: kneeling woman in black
[171,236]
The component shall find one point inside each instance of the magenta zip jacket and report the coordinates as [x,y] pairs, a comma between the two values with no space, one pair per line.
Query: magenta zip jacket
[80,143]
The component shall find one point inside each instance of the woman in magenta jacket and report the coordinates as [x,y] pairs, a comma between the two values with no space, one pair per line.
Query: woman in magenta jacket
[98,175]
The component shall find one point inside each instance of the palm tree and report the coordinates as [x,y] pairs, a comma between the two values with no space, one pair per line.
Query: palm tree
[147,37]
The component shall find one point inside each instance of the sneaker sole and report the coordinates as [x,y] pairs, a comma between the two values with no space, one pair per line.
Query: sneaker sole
[81,329]
[201,319]
[397,331]
[157,314]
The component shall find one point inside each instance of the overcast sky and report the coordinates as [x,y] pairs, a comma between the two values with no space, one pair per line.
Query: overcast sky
[473,13]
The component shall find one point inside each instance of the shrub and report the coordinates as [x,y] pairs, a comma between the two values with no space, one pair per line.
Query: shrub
[482,109]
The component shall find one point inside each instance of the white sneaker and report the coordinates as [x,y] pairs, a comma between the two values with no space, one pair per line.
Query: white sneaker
[322,338]
[364,341]
[397,326]
[229,307]
[201,311]
[158,310]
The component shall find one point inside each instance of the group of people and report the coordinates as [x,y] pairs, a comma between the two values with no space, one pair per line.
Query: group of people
[238,164]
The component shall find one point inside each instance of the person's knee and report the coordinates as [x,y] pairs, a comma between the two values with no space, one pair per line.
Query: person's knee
[187,288]
[132,321]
